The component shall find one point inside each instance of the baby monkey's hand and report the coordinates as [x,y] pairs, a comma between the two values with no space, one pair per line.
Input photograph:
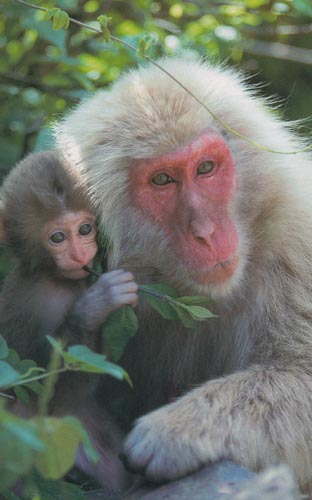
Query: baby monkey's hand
[110,292]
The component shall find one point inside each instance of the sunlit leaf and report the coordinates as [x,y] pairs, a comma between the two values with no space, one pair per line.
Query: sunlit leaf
[197,300]
[56,459]
[200,313]
[60,18]
[104,21]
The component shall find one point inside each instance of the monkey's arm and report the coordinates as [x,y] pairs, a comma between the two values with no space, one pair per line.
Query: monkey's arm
[255,417]
[110,292]
[30,309]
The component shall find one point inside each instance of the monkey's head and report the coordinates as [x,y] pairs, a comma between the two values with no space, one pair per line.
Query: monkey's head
[178,194]
[46,217]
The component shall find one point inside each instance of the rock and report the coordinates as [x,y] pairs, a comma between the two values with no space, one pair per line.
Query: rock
[221,481]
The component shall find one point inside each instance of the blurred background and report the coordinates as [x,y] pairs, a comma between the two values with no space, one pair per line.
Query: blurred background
[43,71]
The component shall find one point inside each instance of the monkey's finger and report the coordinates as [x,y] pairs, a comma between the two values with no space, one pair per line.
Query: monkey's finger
[117,276]
[122,288]
[126,298]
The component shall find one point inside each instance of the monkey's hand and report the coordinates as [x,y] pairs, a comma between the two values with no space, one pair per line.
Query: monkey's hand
[111,291]
[174,440]
[255,417]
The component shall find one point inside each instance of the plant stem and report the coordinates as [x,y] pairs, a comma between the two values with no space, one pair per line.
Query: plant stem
[4,395]
[49,385]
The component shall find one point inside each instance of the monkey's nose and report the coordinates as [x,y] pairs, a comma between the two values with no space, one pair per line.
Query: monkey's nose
[203,230]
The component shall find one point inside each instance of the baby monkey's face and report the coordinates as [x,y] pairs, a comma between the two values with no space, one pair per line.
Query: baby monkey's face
[71,241]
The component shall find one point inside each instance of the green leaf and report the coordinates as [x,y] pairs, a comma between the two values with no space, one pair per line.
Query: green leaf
[56,459]
[23,430]
[55,344]
[21,394]
[4,350]
[50,13]
[104,21]
[119,328]
[183,315]
[7,374]
[88,361]
[15,458]
[200,313]
[145,44]
[13,359]
[163,307]
[196,300]
[36,387]
[60,18]
[158,297]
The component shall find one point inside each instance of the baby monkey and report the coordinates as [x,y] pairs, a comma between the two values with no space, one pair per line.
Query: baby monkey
[49,223]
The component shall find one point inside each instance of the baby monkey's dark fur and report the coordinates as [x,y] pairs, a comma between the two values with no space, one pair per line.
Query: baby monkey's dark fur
[36,300]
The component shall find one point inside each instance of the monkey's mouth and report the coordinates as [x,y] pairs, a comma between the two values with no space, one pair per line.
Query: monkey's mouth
[75,274]
[218,273]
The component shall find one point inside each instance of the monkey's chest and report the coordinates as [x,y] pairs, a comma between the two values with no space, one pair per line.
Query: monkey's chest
[52,307]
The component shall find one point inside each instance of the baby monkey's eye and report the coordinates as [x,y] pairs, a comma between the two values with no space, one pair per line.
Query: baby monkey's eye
[85,229]
[57,238]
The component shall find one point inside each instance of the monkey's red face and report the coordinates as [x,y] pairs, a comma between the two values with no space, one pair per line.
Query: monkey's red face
[187,192]
[71,241]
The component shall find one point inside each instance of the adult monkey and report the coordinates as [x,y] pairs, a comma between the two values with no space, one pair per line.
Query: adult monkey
[187,203]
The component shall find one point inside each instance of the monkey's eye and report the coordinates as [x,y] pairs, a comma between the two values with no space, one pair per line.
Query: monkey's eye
[206,167]
[85,229]
[162,179]
[57,238]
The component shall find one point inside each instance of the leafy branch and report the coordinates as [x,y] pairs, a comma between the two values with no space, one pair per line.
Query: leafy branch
[122,325]
[61,20]
[37,443]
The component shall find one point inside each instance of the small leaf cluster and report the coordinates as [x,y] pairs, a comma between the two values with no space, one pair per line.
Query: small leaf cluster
[60,18]
[37,444]
[187,310]
[123,324]
[18,374]
[34,448]
[81,358]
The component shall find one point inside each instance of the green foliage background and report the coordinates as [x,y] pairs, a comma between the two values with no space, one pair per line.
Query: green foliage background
[44,72]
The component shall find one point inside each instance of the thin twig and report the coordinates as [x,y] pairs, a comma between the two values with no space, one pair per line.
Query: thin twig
[8,396]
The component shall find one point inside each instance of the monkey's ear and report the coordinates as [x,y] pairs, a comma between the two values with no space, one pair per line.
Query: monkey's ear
[3,235]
